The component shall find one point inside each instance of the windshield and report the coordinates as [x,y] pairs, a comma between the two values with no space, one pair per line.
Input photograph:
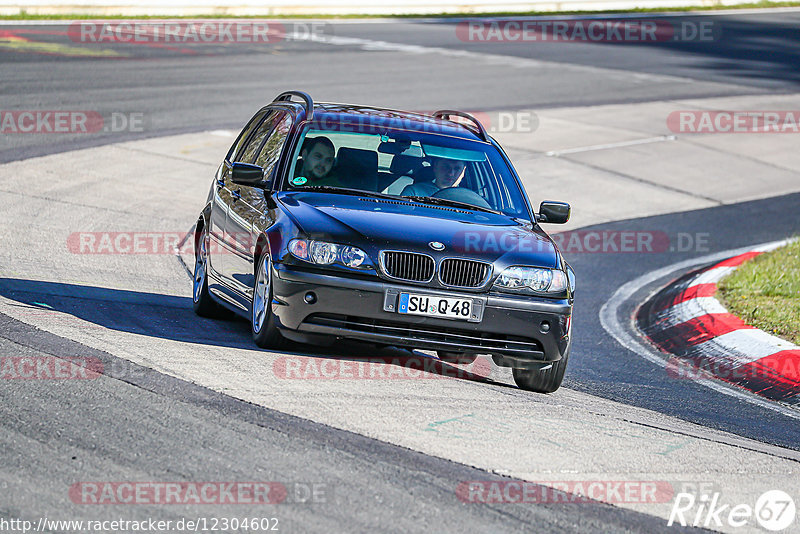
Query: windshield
[401,163]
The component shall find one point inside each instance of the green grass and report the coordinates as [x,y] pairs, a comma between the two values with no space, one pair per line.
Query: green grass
[79,16]
[765,292]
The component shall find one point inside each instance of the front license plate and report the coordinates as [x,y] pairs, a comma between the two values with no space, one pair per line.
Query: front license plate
[433,306]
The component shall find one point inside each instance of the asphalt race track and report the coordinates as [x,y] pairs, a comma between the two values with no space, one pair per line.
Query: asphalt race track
[188,399]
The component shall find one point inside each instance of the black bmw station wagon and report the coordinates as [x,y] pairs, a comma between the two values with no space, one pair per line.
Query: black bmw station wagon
[397,228]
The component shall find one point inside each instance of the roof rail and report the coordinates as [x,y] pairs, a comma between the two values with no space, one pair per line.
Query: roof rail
[308,103]
[445,114]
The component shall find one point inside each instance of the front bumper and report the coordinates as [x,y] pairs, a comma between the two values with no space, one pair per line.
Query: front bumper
[522,328]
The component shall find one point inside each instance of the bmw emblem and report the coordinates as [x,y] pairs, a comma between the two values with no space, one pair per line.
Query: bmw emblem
[435,245]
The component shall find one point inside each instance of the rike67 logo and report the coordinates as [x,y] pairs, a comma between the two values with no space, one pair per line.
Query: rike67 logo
[774,510]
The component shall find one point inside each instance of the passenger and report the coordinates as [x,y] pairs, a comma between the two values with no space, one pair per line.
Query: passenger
[446,173]
[318,157]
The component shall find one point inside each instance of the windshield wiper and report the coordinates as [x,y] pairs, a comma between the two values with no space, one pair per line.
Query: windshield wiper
[454,203]
[344,191]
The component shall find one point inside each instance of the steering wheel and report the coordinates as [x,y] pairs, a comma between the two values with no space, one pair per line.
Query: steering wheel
[462,194]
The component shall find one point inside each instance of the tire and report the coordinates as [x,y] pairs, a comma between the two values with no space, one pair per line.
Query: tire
[203,304]
[542,381]
[262,320]
[456,357]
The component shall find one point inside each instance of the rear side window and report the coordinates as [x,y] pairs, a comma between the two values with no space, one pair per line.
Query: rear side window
[248,154]
[245,133]
[271,151]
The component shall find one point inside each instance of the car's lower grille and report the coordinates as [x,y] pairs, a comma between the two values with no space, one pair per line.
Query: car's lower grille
[408,266]
[463,273]
[466,339]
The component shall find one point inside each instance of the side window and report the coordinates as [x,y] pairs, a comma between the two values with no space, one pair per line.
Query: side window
[248,154]
[272,147]
[237,145]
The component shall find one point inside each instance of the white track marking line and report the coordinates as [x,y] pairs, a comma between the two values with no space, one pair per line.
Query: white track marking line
[744,346]
[610,322]
[712,276]
[492,59]
[688,310]
[767,247]
[644,141]
[752,336]
[222,133]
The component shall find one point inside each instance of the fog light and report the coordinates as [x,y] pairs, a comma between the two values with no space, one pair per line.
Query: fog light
[544,327]
[310,298]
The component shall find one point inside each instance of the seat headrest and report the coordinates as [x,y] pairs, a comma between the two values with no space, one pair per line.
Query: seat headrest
[423,174]
[404,165]
[357,168]
[356,160]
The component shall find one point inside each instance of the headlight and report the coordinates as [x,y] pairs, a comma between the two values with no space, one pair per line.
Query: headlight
[519,278]
[352,256]
[324,253]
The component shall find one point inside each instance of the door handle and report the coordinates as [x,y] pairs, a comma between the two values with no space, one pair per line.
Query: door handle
[236,194]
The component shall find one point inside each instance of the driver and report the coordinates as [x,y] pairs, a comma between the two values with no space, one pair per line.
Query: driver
[318,157]
[446,173]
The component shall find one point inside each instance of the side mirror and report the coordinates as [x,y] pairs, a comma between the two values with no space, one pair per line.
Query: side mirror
[553,212]
[246,174]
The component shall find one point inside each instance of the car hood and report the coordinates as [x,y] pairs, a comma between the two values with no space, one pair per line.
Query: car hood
[377,224]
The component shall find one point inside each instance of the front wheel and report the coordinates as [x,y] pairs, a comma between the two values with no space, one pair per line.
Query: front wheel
[265,333]
[546,381]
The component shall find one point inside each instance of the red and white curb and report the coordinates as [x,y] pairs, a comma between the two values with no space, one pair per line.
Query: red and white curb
[686,321]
